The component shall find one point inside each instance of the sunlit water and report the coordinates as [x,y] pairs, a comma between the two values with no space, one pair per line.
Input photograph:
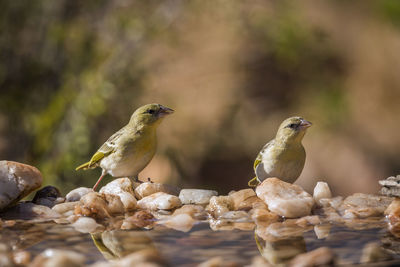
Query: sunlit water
[196,246]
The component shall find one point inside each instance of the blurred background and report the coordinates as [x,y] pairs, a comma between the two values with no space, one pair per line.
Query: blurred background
[72,72]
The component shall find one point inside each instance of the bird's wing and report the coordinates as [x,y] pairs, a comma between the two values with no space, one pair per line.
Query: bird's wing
[107,148]
[258,165]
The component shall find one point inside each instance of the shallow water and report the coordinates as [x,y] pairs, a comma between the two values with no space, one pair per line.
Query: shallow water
[199,244]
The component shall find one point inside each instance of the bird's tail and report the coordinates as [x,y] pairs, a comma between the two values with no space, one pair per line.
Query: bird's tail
[84,166]
[253,182]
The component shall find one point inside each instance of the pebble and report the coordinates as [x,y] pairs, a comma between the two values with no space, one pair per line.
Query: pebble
[361,205]
[140,219]
[30,211]
[321,190]
[77,193]
[196,196]
[322,231]
[195,211]
[263,217]
[391,186]
[148,188]
[48,196]
[244,199]
[17,180]
[21,257]
[122,188]
[285,199]
[219,205]
[159,201]
[65,209]
[322,256]
[92,205]
[393,215]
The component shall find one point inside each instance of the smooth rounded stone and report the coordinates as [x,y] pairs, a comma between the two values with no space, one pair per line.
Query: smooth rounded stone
[279,230]
[391,186]
[308,220]
[114,204]
[140,219]
[322,256]
[322,230]
[285,199]
[219,205]
[321,190]
[159,201]
[92,205]
[334,202]
[77,193]
[196,196]
[122,188]
[87,225]
[373,252]
[180,222]
[148,188]
[243,199]
[393,215]
[148,257]
[6,257]
[65,209]
[30,211]
[361,205]
[59,258]
[17,180]
[259,261]
[195,211]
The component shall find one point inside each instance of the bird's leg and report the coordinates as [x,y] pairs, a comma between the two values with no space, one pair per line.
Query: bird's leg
[103,173]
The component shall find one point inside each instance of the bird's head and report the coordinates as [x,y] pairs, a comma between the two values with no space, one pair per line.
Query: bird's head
[292,130]
[150,114]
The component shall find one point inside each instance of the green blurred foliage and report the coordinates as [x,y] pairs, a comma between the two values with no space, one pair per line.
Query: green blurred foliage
[72,72]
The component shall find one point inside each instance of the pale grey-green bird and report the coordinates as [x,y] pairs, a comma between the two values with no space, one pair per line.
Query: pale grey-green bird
[128,151]
[284,156]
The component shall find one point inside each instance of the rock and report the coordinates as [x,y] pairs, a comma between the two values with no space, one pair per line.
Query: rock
[77,194]
[6,257]
[21,258]
[322,256]
[259,261]
[244,199]
[308,220]
[361,205]
[59,258]
[180,222]
[393,215]
[285,199]
[65,209]
[195,211]
[48,196]
[321,190]
[140,219]
[281,230]
[17,180]
[196,196]
[335,202]
[148,188]
[30,211]
[391,186]
[92,205]
[148,257]
[219,205]
[373,252]
[236,216]
[159,201]
[87,225]
[122,188]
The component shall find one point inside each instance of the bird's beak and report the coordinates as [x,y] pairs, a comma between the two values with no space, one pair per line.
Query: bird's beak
[305,124]
[164,111]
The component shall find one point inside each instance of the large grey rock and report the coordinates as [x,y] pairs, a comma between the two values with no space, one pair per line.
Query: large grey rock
[17,180]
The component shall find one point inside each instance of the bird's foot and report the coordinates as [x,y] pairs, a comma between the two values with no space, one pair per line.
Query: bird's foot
[149,180]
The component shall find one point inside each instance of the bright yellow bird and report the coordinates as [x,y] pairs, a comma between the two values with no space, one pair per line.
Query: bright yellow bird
[128,151]
[284,156]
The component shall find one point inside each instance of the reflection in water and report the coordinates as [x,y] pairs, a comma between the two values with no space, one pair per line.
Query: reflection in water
[282,250]
[117,244]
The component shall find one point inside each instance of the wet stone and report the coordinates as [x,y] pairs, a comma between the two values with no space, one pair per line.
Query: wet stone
[87,225]
[361,205]
[148,188]
[121,188]
[322,256]
[195,211]
[77,194]
[159,201]
[391,186]
[285,199]
[59,258]
[373,252]
[17,180]
[30,211]
[321,190]
[180,222]
[244,199]
[196,196]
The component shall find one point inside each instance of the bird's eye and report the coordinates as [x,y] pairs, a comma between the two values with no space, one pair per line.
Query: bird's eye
[151,111]
[292,125]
